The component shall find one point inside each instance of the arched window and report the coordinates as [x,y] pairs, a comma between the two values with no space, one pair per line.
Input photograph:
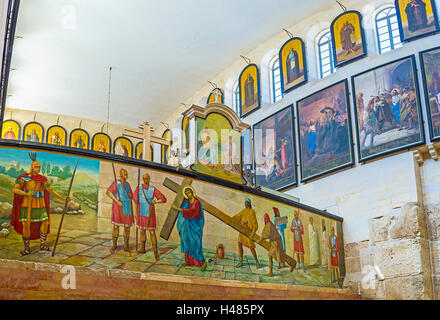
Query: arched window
[387,28]
[275,73]
[236,98]
[326,63]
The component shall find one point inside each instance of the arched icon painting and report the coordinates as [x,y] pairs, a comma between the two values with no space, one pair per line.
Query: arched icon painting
[123,147]
[79,138]
[139,151]
[101,142]
[11,130]
[416,18]
[293,64]
[348,38]
[56,135]
[33,132]
[216,95]
[249,84]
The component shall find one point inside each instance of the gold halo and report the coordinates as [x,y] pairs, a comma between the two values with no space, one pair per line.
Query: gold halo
[186,188]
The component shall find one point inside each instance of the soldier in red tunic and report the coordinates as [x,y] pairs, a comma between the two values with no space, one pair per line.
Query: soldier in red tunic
[298,230]
[30,212]
[334,249]
[145,198]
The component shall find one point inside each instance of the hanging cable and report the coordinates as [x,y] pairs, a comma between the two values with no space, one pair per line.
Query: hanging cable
[288,33]
[342,6]
[109,95]
[248,61]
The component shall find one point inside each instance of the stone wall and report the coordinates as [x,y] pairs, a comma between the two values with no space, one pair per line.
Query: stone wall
[42,281]
[395,262]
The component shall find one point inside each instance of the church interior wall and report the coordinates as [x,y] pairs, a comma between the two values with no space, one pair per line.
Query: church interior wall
[366,192]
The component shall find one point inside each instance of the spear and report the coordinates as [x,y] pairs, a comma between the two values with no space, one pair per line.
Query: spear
[65,208]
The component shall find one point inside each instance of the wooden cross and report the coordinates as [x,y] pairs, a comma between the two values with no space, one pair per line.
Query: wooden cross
[173,213]
[145,134]
[227,219]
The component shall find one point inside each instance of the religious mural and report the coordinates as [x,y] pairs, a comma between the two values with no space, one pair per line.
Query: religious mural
[274,151]
[218,149]
[348,38]
[388,112]
[123,147]
[56,135]
[325,131]
[101,142]
[216,96]
[123,217]
[33,132]
[416,18]
[430,60]
[79,138]
[249,84]
[292,64]
[11,130]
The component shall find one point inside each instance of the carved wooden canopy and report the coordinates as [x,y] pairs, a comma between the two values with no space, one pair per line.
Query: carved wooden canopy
[203,112]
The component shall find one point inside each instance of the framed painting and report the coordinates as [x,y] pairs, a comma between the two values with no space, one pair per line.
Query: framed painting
[387,108]
[11,130]
[56,135]
[79,138]
[324,123]
[218,149]
[249,85]
[33,132]
[274,151]
[416,18]
[293,65]
[348,38]
[123,147]
[430,61]
[216,95]
[246,151]
[101,142]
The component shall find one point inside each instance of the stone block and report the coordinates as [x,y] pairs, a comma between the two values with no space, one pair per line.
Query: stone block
[352,265]
[406,223]
[379,228]
[435,256]
[405,288]
[433,217]
[398,258]
[351,250]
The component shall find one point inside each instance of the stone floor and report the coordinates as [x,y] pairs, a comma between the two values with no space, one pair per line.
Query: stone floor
[91,249]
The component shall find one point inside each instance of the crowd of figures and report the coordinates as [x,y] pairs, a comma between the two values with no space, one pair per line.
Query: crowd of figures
[390,109]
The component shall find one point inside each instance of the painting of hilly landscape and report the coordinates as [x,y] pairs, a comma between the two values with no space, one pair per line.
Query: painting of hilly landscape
[58,169]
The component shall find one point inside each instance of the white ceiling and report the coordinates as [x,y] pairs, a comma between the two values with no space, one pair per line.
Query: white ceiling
[161,51]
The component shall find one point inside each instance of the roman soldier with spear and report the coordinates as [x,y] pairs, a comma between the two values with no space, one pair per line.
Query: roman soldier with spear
[122,209]
[30,212]
[146,197]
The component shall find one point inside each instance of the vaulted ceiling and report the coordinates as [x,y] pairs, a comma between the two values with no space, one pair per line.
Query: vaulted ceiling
[161,51]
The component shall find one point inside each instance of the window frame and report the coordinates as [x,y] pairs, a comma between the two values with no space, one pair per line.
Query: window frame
[330,51]
[389,27]
[273,90]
